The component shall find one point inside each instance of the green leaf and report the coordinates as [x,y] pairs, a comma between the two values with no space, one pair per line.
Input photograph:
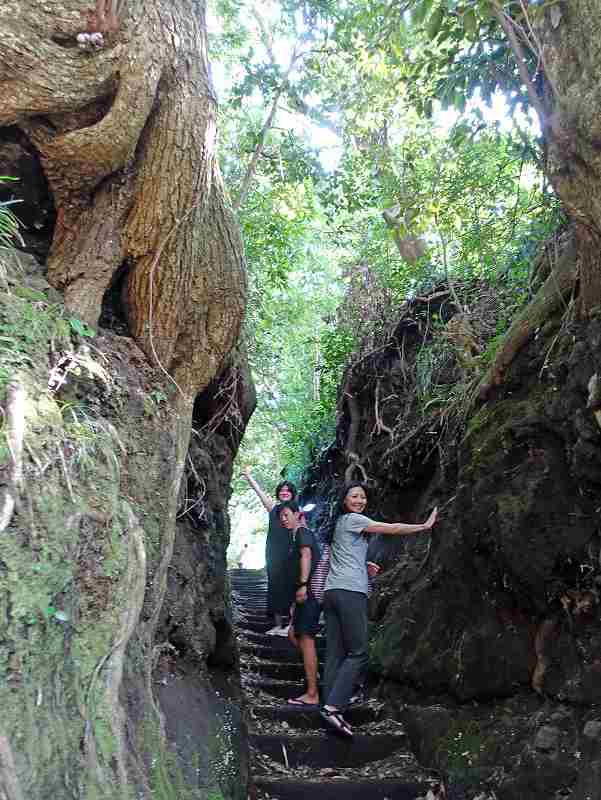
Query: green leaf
[435,22]
[80,328]
[421,11]
[470,22]
[29,294]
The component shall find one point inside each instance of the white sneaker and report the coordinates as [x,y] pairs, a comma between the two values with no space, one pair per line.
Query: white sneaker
[283,631]
[273,631]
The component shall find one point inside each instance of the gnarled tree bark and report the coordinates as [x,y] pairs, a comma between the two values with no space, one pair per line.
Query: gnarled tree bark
[126,135]
[569,37]
[571,50]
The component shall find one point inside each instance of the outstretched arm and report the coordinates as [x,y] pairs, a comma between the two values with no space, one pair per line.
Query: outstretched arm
[402,528]
[264,498]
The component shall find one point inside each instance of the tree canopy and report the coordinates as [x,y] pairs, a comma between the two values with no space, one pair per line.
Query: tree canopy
[373,150]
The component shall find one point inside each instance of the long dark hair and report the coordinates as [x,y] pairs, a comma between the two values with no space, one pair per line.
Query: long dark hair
[279,488]
[338,509]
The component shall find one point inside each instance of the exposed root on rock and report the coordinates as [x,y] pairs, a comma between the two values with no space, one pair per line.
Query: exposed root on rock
[15,432]
[546,630]
[9,783]
[112,662]
[555,291]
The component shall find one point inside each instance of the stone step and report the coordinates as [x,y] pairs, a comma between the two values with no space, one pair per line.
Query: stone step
[287,671]
[325,750]
[256,606]
[255,611]
[280,655]
[275,643]
[275,688]
[303,719]
[258,610]
[242,584]
[251,617]
[341,789]
[258,626]
[244,572]
[248,603]
[249,589]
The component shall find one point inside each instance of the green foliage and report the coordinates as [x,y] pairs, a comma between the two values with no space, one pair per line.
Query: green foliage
[463,750]
[26,327]
[80,328]
[449,51]
[166,778]
[470,195]
[9,224]
[153,402]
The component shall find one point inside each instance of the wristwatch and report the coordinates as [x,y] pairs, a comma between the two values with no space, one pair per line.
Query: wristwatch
[300,585]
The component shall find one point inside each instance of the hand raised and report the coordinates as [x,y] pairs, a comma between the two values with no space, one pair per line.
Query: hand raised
[431,521]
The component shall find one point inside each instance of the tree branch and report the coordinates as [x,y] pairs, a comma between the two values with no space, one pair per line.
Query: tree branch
[507,24]
[252,167]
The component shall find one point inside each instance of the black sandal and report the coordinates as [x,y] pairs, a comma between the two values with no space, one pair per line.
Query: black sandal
[336,722]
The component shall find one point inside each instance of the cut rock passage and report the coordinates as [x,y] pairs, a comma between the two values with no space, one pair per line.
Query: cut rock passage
[293,756]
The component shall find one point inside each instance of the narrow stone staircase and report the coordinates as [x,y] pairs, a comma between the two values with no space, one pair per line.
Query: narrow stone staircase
[293,755]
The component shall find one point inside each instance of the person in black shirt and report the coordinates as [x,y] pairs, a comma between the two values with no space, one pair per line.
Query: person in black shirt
[280,593]
[305,618]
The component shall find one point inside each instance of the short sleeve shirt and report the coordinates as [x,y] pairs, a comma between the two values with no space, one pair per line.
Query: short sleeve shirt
[305,538]
[348,557]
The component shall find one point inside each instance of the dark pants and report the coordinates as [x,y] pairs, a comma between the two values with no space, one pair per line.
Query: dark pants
[346,644]
[280,585]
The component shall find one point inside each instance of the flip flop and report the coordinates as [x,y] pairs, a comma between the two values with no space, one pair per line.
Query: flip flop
[302,704]
[336,722]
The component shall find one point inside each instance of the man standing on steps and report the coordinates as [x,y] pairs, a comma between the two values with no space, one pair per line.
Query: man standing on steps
[307,609]
[280,587]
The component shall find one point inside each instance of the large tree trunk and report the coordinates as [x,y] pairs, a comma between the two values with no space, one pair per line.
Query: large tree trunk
[126,136]
[125,133]
[569,37]
[571,58]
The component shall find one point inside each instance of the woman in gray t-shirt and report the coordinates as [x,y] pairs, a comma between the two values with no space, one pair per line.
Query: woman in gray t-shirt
[345,600]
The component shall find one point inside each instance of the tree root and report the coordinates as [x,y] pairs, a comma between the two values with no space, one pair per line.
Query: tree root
[380,427]
[9,783]
[548,629]
[349,472]
[547,300]
[15,431]
[112,662]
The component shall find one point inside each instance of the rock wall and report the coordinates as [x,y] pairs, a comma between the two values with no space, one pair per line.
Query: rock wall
[117,670]
[500,607]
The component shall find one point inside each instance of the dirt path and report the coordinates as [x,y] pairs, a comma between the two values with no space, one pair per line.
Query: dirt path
[293,756]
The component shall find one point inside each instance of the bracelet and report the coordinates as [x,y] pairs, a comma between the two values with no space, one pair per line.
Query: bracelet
[300,585]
